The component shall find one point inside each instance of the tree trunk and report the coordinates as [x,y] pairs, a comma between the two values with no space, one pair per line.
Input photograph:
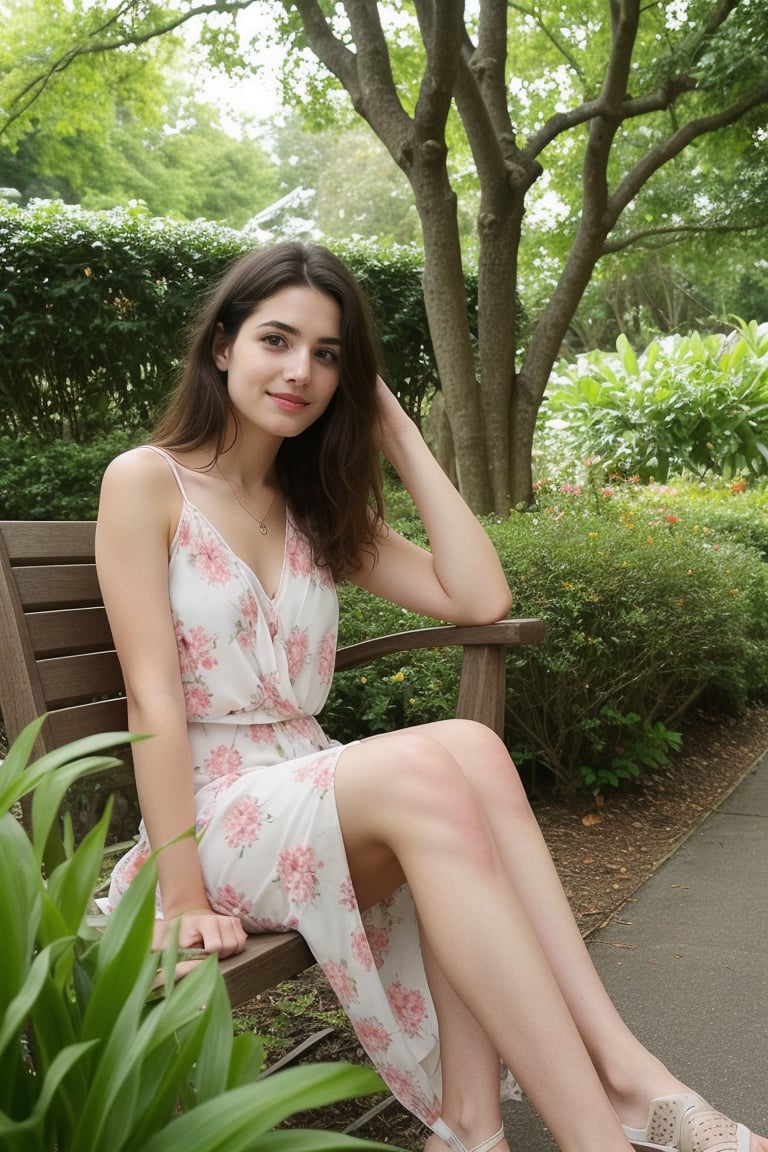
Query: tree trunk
[446,306]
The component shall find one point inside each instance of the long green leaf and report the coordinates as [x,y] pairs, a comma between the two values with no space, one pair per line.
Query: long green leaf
[16,760]
[235,1120]
[20,905]
[316,1140]
[50,790]
[71,885]
[18,777]
[20,1006]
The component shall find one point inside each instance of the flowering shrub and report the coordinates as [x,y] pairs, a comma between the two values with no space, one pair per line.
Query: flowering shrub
[648,613]
[394,691]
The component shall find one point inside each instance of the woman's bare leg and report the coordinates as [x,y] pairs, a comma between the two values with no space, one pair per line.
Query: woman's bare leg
[408,811]
[631,1075]
[469,1066]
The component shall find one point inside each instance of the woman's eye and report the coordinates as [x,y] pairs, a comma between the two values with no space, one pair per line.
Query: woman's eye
[327,355]
[274,340]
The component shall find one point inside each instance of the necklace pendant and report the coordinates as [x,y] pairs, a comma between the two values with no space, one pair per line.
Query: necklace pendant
[263,528]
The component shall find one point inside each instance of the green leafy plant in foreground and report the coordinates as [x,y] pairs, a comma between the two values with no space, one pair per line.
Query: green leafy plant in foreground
[90,1057]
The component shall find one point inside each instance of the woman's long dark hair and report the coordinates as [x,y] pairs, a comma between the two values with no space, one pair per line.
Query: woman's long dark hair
[330,473]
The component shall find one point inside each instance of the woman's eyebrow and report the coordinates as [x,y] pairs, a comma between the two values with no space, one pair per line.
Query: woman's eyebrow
[283,327]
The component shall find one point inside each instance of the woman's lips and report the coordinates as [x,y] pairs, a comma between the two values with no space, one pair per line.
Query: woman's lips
[288,401]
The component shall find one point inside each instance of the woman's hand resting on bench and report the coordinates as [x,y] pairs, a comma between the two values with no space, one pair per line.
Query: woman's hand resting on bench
[200,930]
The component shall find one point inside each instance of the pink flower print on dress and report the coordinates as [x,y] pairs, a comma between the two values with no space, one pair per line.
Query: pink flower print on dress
[379,944]
[341,980]
[297,869]
[306,728]
[262,733]
[211,795]
[361,949]
[243,822]
[319,773]
[198,701]
[245,628]
[298,554]
[348,899]
[322,576]
[126,869]
[184,531]
[296,650]
[409,1092]
[372,1035]
[211,560]
[326,657]
[249,608]
[223,761]
[231,903]
[408,1006]
[272,696]
[195,648]
[265,924]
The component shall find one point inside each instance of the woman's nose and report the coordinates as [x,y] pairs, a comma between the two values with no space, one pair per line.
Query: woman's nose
[298,365]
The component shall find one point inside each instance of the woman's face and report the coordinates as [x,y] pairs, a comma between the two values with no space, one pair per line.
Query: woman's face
[283,365]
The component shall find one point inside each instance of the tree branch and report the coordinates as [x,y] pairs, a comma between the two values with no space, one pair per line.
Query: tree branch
[483,134]
[671,233]
[443,36]
[24,99]
[327,47]
[672,147]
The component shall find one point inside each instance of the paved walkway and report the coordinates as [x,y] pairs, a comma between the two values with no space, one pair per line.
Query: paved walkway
[686,962]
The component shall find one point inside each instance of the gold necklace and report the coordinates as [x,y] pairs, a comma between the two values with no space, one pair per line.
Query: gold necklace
[261,521]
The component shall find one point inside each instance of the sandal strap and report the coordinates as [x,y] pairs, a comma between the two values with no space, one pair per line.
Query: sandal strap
[490,1143]
[441,1129]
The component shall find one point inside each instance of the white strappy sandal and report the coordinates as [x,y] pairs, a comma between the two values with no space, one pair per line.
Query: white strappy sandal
[441,1129]
[686,1123]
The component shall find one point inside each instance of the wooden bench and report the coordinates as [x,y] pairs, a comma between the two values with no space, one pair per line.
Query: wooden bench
[57,658]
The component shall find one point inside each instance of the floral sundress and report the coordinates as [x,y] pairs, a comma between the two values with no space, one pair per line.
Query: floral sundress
[255,671]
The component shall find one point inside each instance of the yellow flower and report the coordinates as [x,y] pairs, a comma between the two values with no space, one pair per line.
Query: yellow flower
[567,586]
[398,677]
[363,679]
[411,700]
[593,535]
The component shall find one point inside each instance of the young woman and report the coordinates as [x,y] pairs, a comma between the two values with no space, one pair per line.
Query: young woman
[411,862]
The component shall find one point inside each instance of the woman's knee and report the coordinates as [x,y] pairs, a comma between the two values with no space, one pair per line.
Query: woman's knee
[484,759]
[411,775]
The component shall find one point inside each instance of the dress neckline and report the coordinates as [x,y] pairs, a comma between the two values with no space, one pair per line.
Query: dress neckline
[189,504]
[174,466]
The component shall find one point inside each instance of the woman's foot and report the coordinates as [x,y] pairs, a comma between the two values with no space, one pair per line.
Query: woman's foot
[684,1122]
[450,1142]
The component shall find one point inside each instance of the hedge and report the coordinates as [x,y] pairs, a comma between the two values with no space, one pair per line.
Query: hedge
[94,304]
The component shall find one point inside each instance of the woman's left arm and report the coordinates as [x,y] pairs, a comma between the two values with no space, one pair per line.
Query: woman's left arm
[460,579]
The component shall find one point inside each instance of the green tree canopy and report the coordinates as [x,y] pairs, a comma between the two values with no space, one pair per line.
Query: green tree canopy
[589,129]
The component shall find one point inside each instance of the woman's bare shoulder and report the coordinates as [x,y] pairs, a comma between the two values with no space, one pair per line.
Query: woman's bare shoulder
[140,468]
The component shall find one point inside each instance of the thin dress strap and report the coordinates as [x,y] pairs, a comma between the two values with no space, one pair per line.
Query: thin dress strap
[174,467]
